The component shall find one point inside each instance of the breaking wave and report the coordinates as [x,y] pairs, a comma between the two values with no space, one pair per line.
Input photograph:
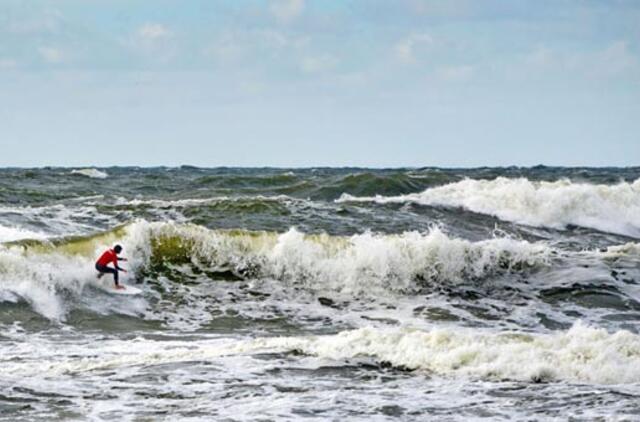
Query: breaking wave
[361,264]
[91,173]
[581,354]
[609,208]
[10,234]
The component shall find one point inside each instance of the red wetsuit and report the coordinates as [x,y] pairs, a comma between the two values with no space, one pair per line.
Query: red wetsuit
[108,257]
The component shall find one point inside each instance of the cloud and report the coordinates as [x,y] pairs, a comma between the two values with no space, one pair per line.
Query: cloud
[35,23]
[277,39]
[317,64]
[227,48]
[613,61]
[455,73]
[286,10]
[406,50]
[51,55]
[439,8]
[8,64]
[154,41]
[153,32]
[261,45]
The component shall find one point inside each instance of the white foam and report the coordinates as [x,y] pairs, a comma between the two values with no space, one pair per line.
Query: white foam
[59,220]
[192,202]
[629,249]
[91,172]
[365,263]
[10,234]
[42,277]
[38,280]
[610,208]
[582,354]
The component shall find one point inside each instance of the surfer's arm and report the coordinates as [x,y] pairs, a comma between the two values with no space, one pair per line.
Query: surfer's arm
[115,264]
[122,259]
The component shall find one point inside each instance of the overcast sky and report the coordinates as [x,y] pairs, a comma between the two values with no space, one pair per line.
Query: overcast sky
[319,82]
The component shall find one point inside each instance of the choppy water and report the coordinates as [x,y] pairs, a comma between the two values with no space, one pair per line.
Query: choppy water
[322,294]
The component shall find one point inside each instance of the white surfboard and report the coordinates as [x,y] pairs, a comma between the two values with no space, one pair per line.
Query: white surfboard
[106,285]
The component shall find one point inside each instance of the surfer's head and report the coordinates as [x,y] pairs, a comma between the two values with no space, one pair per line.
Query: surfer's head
[117,249]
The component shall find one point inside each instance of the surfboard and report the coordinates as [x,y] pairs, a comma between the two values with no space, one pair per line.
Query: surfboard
[106,285]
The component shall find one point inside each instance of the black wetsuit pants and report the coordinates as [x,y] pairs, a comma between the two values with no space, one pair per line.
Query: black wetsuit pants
[105,269]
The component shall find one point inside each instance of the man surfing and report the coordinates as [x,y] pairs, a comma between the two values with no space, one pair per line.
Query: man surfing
[111,256]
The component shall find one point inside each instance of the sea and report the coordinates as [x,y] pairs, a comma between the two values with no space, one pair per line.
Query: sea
[321,294]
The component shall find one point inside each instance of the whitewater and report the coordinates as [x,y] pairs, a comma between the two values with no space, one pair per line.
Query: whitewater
[321,294]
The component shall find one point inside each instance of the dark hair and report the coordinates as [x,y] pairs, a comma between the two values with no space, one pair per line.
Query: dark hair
[117,248]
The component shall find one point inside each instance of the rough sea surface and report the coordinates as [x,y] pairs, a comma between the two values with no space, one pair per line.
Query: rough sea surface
[321,294]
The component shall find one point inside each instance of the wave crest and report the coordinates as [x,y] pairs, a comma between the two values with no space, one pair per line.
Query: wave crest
[91,173]
[371,264]
[581,354]
[354,264]
[609,208]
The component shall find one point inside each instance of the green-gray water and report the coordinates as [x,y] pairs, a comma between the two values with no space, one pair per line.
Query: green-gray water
[323,294]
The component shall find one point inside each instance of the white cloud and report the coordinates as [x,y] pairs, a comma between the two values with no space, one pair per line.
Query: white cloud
[51,54]
[227,48]
[406,50]
[231,46]
[8,63]
[317,64]
[286,10]
[541,56]
[153,31]
[615,60]
[45,22]
[455,73]
[278,39]
[155,41]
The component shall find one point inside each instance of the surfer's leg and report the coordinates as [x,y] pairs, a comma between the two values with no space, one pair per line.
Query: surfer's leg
[114,272]
[102,269]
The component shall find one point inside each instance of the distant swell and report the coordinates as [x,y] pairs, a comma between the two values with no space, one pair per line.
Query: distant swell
[91,172]
[609,208]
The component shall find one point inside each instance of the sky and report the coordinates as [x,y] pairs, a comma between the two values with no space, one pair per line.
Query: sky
[303,83]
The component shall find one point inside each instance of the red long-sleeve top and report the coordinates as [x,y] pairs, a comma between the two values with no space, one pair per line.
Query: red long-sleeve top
[109,256]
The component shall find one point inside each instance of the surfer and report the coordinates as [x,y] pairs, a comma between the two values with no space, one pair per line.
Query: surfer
[110,256]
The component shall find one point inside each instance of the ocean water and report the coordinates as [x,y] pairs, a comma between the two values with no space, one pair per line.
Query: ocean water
[322,294]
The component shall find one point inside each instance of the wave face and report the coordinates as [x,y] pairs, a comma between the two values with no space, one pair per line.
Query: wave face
[500,293]
[356,265]
[610,208]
